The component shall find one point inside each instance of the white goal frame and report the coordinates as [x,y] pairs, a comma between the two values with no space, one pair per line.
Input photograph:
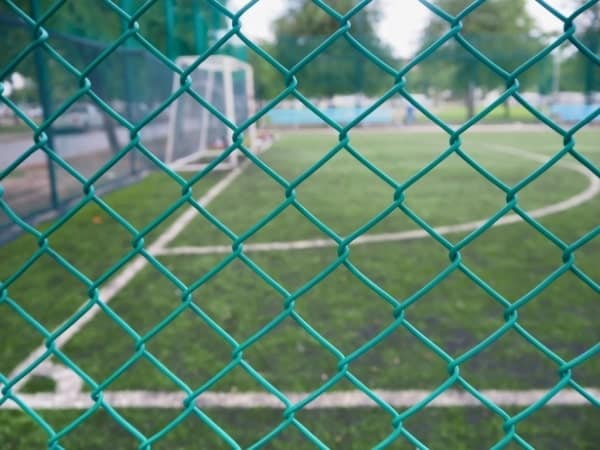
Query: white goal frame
[227,65]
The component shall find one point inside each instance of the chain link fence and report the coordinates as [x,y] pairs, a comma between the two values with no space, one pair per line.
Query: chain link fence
[130,128]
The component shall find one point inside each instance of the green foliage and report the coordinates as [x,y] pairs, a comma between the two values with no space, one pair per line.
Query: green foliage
[578,71]
[338,70]
[492,28]
[77,34]
[267,80]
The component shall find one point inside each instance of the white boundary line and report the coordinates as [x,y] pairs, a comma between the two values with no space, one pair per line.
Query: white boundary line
[590,192]
[66,383]
[336,399]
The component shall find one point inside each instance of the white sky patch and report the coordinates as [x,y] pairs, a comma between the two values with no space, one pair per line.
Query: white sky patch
[401,24]
[18,81]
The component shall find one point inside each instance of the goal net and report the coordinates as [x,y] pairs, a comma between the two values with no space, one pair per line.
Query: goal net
[196,136]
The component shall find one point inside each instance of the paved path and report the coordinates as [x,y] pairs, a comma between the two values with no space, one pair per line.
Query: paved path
[71,144]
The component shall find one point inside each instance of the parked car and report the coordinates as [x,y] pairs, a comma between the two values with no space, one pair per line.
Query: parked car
[78,118]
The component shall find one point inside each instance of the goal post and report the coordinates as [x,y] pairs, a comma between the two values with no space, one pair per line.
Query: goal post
[195,135]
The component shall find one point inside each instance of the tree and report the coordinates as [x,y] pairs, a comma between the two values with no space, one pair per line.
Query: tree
[340,69]
[502,30]
[579,72]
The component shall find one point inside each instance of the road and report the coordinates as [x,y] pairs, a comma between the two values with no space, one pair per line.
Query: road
[71,144]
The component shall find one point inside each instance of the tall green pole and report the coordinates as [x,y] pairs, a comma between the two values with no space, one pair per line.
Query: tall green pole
[171,46]
[128,82]
[45,93]
[200,29]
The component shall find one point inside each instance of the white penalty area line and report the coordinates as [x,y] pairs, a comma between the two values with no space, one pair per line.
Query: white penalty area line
[338,399]
[584,196]
[107,292]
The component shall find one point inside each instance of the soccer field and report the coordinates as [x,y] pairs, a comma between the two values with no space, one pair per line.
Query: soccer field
[331,269]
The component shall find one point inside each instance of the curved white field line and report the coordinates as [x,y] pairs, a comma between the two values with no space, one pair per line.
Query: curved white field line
[337,399]
[590,192]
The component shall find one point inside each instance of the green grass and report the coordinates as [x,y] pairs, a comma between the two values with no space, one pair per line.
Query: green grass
[39,384]
[90,240]
[360,428]
[344,195]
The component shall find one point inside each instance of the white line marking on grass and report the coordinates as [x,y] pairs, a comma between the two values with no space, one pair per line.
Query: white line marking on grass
[338,399]
[590,192]
[108,291]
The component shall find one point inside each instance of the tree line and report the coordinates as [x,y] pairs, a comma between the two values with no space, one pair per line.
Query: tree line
[502,30]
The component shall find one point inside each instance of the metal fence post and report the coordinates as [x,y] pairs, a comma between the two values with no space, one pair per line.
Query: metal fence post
[200,31]
[45,93]
[169,10]
[127,84]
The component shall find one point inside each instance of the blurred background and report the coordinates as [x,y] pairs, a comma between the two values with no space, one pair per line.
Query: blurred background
[564,84]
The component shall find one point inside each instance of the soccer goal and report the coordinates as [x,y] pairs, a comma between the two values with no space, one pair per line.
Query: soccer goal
[196,136]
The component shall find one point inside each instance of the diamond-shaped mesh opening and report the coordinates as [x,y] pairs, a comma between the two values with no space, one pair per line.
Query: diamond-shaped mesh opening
[39,383]
[373,261]
[19,331]
[436,313]
[294,275]
[474,70]
[574,422]
[501,365]
[336,308]
[219,297]
[85,123]
[303,363]
[75,20]
[95,359]
[474,194]
[24,185]
[190,349]
[290,226]
[35,435]
[585,146]
[535,259]
[366,76]
[585,255]
[153,82]
[93,220]
[558,185]
[192,430]
[347,179]
[398,362]
[365,420]
[64,293]
[483,28]
[551,307]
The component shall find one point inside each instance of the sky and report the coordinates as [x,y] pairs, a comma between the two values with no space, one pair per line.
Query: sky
[401,24]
